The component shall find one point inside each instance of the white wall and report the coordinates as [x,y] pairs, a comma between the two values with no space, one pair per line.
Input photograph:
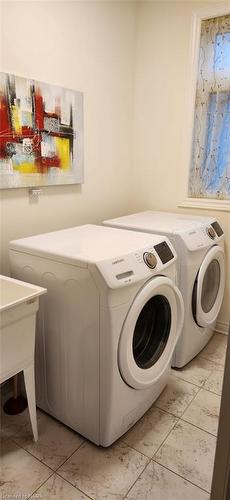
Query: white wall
[87,46]
[161,83]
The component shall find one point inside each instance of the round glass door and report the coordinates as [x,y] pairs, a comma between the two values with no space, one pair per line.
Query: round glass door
[209,288]
[151,331]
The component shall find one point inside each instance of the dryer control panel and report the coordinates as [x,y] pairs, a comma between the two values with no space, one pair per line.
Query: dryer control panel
[203,236]
[130,268]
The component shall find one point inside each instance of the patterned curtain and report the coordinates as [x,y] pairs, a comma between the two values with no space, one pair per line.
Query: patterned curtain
[210,163]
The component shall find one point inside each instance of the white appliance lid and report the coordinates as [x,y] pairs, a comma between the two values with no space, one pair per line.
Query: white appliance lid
[162,222]
[86,244]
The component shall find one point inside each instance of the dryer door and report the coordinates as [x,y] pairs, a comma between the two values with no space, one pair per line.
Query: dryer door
[209,287]
[150,332]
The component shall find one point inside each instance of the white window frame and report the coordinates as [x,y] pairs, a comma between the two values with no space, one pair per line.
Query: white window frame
[204,13]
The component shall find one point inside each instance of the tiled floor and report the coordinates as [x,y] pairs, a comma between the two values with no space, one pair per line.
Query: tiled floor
[167,455]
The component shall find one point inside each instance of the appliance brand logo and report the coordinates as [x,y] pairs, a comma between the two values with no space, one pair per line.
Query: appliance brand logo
[118,261]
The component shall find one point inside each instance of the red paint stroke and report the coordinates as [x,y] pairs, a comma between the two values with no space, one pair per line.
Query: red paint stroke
[51,115]
[3,153]
[6,133]
[27,132]
[4,117]
[39,110]
[37,145]
[52,161]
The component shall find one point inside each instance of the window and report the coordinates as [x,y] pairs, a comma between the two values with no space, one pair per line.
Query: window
[210,163]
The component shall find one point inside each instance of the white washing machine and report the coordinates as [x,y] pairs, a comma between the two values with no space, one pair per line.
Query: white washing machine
[201,271]
[108,326]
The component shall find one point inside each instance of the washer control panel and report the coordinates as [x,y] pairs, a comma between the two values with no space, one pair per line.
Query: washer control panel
[203,236]
[142,264]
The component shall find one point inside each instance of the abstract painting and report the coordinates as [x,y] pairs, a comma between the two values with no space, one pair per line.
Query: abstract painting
[41,133]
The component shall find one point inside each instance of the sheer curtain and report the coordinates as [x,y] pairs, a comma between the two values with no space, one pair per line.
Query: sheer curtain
[210,163]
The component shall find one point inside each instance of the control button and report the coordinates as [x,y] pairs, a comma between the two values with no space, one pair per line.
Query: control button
[210,232]
[150,259]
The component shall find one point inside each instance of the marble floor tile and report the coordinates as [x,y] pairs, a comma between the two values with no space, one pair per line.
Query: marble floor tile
[14,424]
[215,381]
[215,350]
[58,489]
[197,371]
[158,483]
[149,433]
[21,474]
[189,452]
[55,444]
[204,411]
[104,473]
[176,396]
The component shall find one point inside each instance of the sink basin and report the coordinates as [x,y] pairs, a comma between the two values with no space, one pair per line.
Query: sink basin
[14,292]
[19,303]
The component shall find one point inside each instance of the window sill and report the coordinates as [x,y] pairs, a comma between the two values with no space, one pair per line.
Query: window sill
[206,204]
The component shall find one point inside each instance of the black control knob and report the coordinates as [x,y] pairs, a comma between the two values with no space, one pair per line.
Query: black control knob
[210,232]
[150,259]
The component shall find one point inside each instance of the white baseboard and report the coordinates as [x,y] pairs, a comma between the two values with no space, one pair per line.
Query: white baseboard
[222,327]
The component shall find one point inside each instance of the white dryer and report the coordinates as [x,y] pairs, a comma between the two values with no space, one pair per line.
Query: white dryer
[201,271]
[108,326]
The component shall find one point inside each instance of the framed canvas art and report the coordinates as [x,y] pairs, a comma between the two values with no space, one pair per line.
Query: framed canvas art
[41,133]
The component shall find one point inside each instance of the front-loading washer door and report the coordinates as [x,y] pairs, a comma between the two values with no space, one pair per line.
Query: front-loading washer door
[150,332]
[209,287]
